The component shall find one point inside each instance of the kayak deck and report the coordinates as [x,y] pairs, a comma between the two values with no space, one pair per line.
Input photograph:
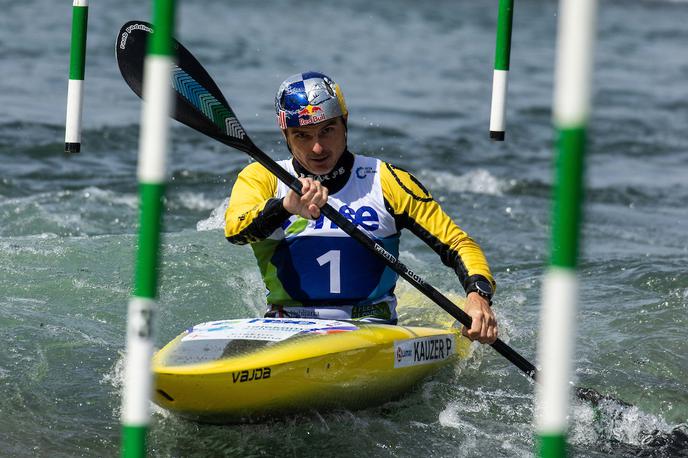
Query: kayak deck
[242,370]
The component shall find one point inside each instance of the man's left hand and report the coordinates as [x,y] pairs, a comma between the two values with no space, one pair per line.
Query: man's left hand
[484,325]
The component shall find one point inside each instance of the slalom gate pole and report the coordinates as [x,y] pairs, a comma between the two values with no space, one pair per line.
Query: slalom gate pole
[77,63]
[501,70]
[153,146]
[575,44]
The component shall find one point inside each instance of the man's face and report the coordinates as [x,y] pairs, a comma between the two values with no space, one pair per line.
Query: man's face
[319,146]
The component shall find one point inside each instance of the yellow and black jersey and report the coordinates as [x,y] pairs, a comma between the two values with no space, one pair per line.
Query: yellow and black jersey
[414,209]
[309,262]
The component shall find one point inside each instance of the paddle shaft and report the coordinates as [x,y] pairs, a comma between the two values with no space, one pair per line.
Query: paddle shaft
[388,258]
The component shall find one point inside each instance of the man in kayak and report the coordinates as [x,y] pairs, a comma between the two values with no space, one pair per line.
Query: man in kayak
[311,268]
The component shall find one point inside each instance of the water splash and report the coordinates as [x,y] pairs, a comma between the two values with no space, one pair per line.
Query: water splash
[192,201]
[115,376]
[478,181]
[618,426]
[216,220]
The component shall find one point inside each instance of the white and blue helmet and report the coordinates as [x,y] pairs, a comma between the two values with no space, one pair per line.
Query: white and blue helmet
[308,98]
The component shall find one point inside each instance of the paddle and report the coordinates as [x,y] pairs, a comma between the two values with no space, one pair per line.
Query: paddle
[201,105]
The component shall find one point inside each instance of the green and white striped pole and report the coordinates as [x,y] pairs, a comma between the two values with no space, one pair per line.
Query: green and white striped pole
[153,145]
[77,63]
[577,23]
[501,70]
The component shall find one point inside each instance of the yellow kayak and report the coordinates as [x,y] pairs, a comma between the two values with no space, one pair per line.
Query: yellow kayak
[242,370]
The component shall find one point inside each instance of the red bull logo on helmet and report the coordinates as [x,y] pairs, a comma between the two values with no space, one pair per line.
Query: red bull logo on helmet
[311,114]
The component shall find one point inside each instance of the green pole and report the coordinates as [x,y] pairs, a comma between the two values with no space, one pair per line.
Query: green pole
[501,70]
[77,64]
[575,45]
[153,146]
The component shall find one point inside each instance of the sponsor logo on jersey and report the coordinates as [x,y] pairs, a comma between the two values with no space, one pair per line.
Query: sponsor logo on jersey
[364,217]
[423,350]
[252,375]
[379,310]
[362,172]
[326,177]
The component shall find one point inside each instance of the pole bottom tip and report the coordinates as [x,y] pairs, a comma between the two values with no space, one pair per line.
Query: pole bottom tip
[72,147]
[497,135]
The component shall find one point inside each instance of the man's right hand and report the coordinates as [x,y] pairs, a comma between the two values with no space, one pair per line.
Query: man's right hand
[313,197]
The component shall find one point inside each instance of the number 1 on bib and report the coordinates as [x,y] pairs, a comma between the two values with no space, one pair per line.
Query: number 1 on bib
[332,257]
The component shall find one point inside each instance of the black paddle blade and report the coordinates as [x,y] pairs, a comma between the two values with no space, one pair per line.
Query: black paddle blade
[199,103]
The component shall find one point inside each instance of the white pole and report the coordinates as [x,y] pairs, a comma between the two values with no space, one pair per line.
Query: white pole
[77,64]
[577,23]
[153,147]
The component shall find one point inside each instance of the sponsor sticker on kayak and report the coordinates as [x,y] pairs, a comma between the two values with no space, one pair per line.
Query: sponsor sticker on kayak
[266,329]
[423,350]
[261,373]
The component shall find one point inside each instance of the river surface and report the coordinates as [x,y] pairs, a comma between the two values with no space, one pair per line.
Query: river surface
[417,77]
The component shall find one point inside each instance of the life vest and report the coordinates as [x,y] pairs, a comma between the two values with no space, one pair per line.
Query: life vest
[313,262]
